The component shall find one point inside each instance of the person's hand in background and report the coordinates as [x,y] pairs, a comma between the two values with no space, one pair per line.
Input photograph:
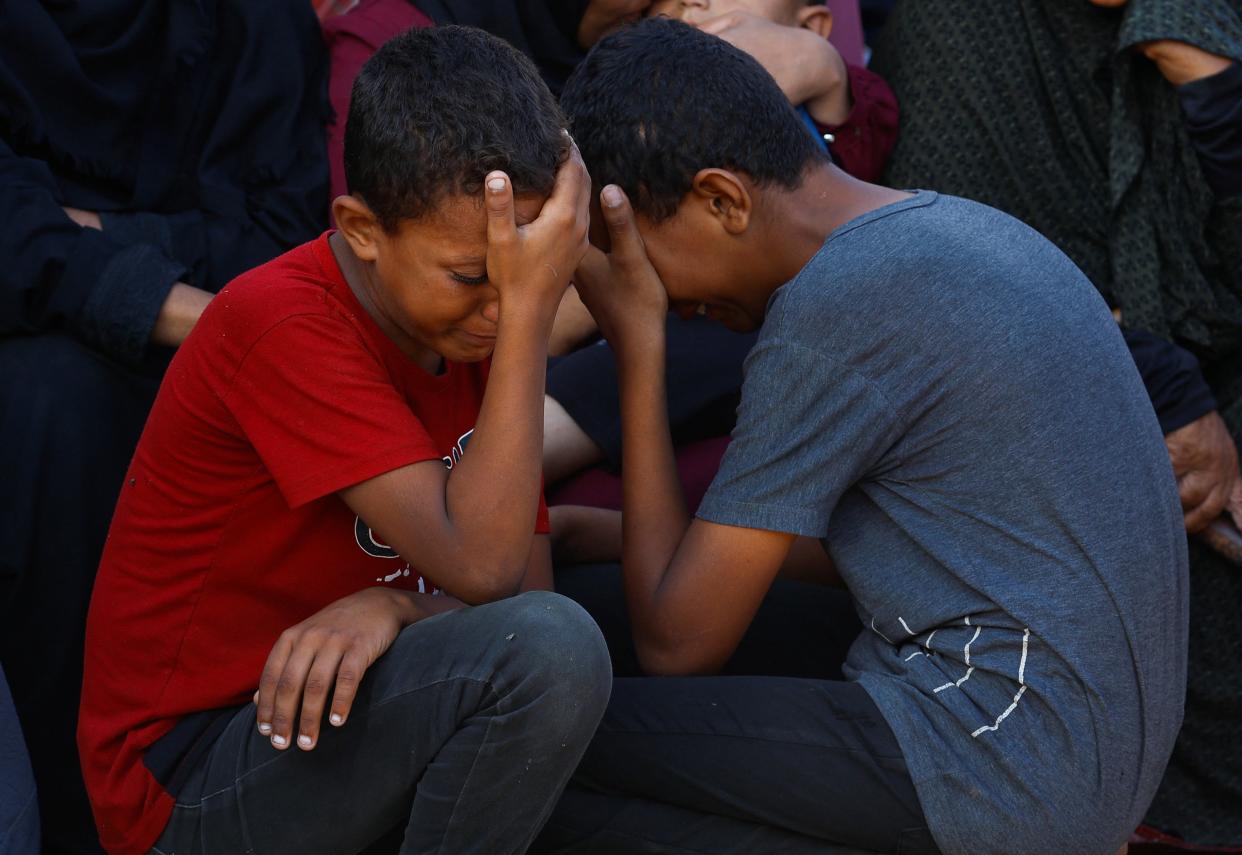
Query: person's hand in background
[1205,462]
[1183,63]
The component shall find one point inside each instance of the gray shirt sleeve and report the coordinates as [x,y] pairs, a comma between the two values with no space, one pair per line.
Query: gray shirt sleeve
[807,430]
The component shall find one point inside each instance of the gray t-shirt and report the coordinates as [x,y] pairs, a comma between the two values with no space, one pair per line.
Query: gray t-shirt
[943,397]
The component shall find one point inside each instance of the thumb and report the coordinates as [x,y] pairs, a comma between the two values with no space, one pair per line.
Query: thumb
[1234,506]
[498,193]
[627,244]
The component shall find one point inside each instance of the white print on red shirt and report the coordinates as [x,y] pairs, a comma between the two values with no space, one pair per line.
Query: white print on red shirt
[370,543]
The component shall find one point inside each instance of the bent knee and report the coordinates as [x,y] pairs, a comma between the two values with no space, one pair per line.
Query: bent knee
[560,646]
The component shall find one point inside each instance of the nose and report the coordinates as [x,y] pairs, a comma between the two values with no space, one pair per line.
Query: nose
[491,309]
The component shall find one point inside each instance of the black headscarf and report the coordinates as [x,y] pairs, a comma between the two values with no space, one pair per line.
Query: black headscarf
[78,79]
[195,127]
[544,30]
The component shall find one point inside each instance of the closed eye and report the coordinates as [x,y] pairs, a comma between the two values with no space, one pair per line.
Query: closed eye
[469,280]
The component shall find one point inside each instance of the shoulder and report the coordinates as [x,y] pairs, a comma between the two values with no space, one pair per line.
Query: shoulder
[295,284]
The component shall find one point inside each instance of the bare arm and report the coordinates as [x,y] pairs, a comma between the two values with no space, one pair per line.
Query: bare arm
[692,588]
[586,535]
[470,529]
[808,69]
[538,565]
[182,307]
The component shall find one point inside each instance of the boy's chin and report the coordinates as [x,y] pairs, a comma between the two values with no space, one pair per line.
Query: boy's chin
[468,348]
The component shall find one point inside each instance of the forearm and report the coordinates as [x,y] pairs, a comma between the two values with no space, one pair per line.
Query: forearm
[585,535]
[826,92]
[492,495]
[654,518]
[180,312]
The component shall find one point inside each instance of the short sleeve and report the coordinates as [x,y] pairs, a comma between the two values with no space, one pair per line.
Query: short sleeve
[321,411]
[807,430]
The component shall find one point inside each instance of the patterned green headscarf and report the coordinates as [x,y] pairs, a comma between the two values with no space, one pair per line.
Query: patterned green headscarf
[1042,108]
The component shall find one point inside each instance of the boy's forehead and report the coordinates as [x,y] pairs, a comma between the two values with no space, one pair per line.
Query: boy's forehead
[464,215]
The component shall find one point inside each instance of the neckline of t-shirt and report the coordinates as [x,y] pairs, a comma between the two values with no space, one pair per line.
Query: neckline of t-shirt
[919,199]
[346,296]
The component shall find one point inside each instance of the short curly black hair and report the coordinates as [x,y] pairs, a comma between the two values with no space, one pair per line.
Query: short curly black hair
[656,102]
[435,110]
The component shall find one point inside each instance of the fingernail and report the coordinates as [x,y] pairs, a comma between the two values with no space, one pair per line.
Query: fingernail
[279,741]
[496,184]
[336,719]
[612,195]
[264,728]
[305,741]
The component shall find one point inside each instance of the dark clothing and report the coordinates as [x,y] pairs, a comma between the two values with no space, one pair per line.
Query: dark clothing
[639,792]
[1084,139]
[195,130]
[703,374]
[1178,392]
[544,30]
[738,765]
[69,420]
[1213,109]
[800,629]
[19,809]
[439,725]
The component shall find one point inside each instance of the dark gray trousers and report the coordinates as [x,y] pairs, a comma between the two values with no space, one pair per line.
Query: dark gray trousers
[463,734]
[778,755]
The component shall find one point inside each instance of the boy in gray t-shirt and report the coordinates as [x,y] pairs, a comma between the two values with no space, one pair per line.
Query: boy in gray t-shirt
[940,396]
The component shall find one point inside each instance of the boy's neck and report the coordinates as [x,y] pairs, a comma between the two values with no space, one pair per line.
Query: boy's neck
[827,199]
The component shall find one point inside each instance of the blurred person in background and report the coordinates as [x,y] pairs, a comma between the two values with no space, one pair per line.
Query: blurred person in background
[148,154]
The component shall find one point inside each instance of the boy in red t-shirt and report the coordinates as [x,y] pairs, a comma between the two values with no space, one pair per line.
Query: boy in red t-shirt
[327,450]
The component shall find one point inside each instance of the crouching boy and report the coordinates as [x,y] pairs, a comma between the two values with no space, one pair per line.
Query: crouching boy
[333,469]
[940,396]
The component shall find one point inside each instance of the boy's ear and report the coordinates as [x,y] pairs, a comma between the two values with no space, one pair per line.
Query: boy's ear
[725,197]
[358,225]
[817,18]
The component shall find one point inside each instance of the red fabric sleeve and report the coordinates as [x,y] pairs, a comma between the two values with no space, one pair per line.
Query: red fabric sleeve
[542,526]
[867,136]
[321,411]
[351,39]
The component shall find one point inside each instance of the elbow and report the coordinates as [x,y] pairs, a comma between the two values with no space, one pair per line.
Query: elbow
[486,584]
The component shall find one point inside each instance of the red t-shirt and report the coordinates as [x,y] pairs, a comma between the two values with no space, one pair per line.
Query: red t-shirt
[229,530]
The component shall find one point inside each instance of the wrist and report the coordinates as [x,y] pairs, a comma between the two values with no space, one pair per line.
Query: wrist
[529,311]
[642,355]
[180,312]
[410,607]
